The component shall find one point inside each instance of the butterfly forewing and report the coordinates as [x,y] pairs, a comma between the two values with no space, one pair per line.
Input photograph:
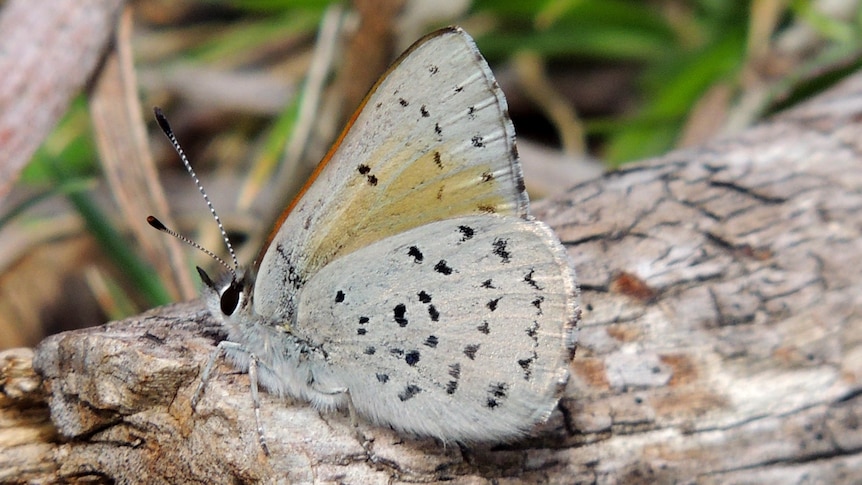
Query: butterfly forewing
[460,329]
[433,145]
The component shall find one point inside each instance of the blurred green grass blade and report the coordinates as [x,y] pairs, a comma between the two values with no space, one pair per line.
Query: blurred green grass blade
[65,188]
[65,164]
[241,38]
[823,24]
[272,151]
[113,243]
[72,142]
[604,43]
[121,305]
[815,76]
[638,16]
[636,142]
[677,88]
[279,133]
[552,10]
[599,29]
[674,87]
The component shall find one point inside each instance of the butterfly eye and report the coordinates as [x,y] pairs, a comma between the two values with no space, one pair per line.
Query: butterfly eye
[230,298]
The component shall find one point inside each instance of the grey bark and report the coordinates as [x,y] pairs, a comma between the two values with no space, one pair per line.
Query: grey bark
[721,342]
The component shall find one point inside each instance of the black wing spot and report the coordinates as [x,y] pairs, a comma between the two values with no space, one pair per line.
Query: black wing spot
[491,403]
[424,111]
[501,250]
[484,328]
[438,160]
[477,141]
[467,232]
[433,69]
[492,305]
[361,331]
[339,296]
[382,378]
[488,284]
[498,390]
[538,303]
[442,267]
[487,176]
[526,364]
[528,278]
[412,357]
[399,313]
[455,374]
[370,350]
[402,102]
[437,129]
[458,89]
[366,170]
[470,351]
[363,320]
[424,297]
[416,254]
[471,112]
[431,341]
[409,391]
[433,313]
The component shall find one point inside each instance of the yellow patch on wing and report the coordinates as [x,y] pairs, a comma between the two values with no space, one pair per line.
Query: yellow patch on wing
[406,195]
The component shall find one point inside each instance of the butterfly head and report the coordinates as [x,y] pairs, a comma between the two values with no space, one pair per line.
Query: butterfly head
[229,296]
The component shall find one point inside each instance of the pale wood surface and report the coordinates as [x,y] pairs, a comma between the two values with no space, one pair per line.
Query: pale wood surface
[48,51]
[721,343]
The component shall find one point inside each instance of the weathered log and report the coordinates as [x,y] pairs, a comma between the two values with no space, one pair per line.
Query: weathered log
[721,341]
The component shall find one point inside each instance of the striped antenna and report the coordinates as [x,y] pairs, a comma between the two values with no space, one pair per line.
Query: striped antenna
[166,128]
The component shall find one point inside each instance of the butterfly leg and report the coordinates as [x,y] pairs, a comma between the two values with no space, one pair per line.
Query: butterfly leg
[253,363]
[354,420]
[208,369]
[351,410]
[255,398]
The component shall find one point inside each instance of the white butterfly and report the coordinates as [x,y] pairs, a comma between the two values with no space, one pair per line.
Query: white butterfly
[407,281]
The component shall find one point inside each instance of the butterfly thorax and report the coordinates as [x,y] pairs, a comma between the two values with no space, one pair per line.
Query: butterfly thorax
[288,365]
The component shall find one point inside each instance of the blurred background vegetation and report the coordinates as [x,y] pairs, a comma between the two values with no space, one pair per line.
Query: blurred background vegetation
[257,89]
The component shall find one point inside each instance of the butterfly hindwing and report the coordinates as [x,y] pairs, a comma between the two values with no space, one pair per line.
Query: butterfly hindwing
[460,329]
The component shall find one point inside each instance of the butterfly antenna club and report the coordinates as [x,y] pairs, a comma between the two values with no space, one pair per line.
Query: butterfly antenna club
[157,224]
